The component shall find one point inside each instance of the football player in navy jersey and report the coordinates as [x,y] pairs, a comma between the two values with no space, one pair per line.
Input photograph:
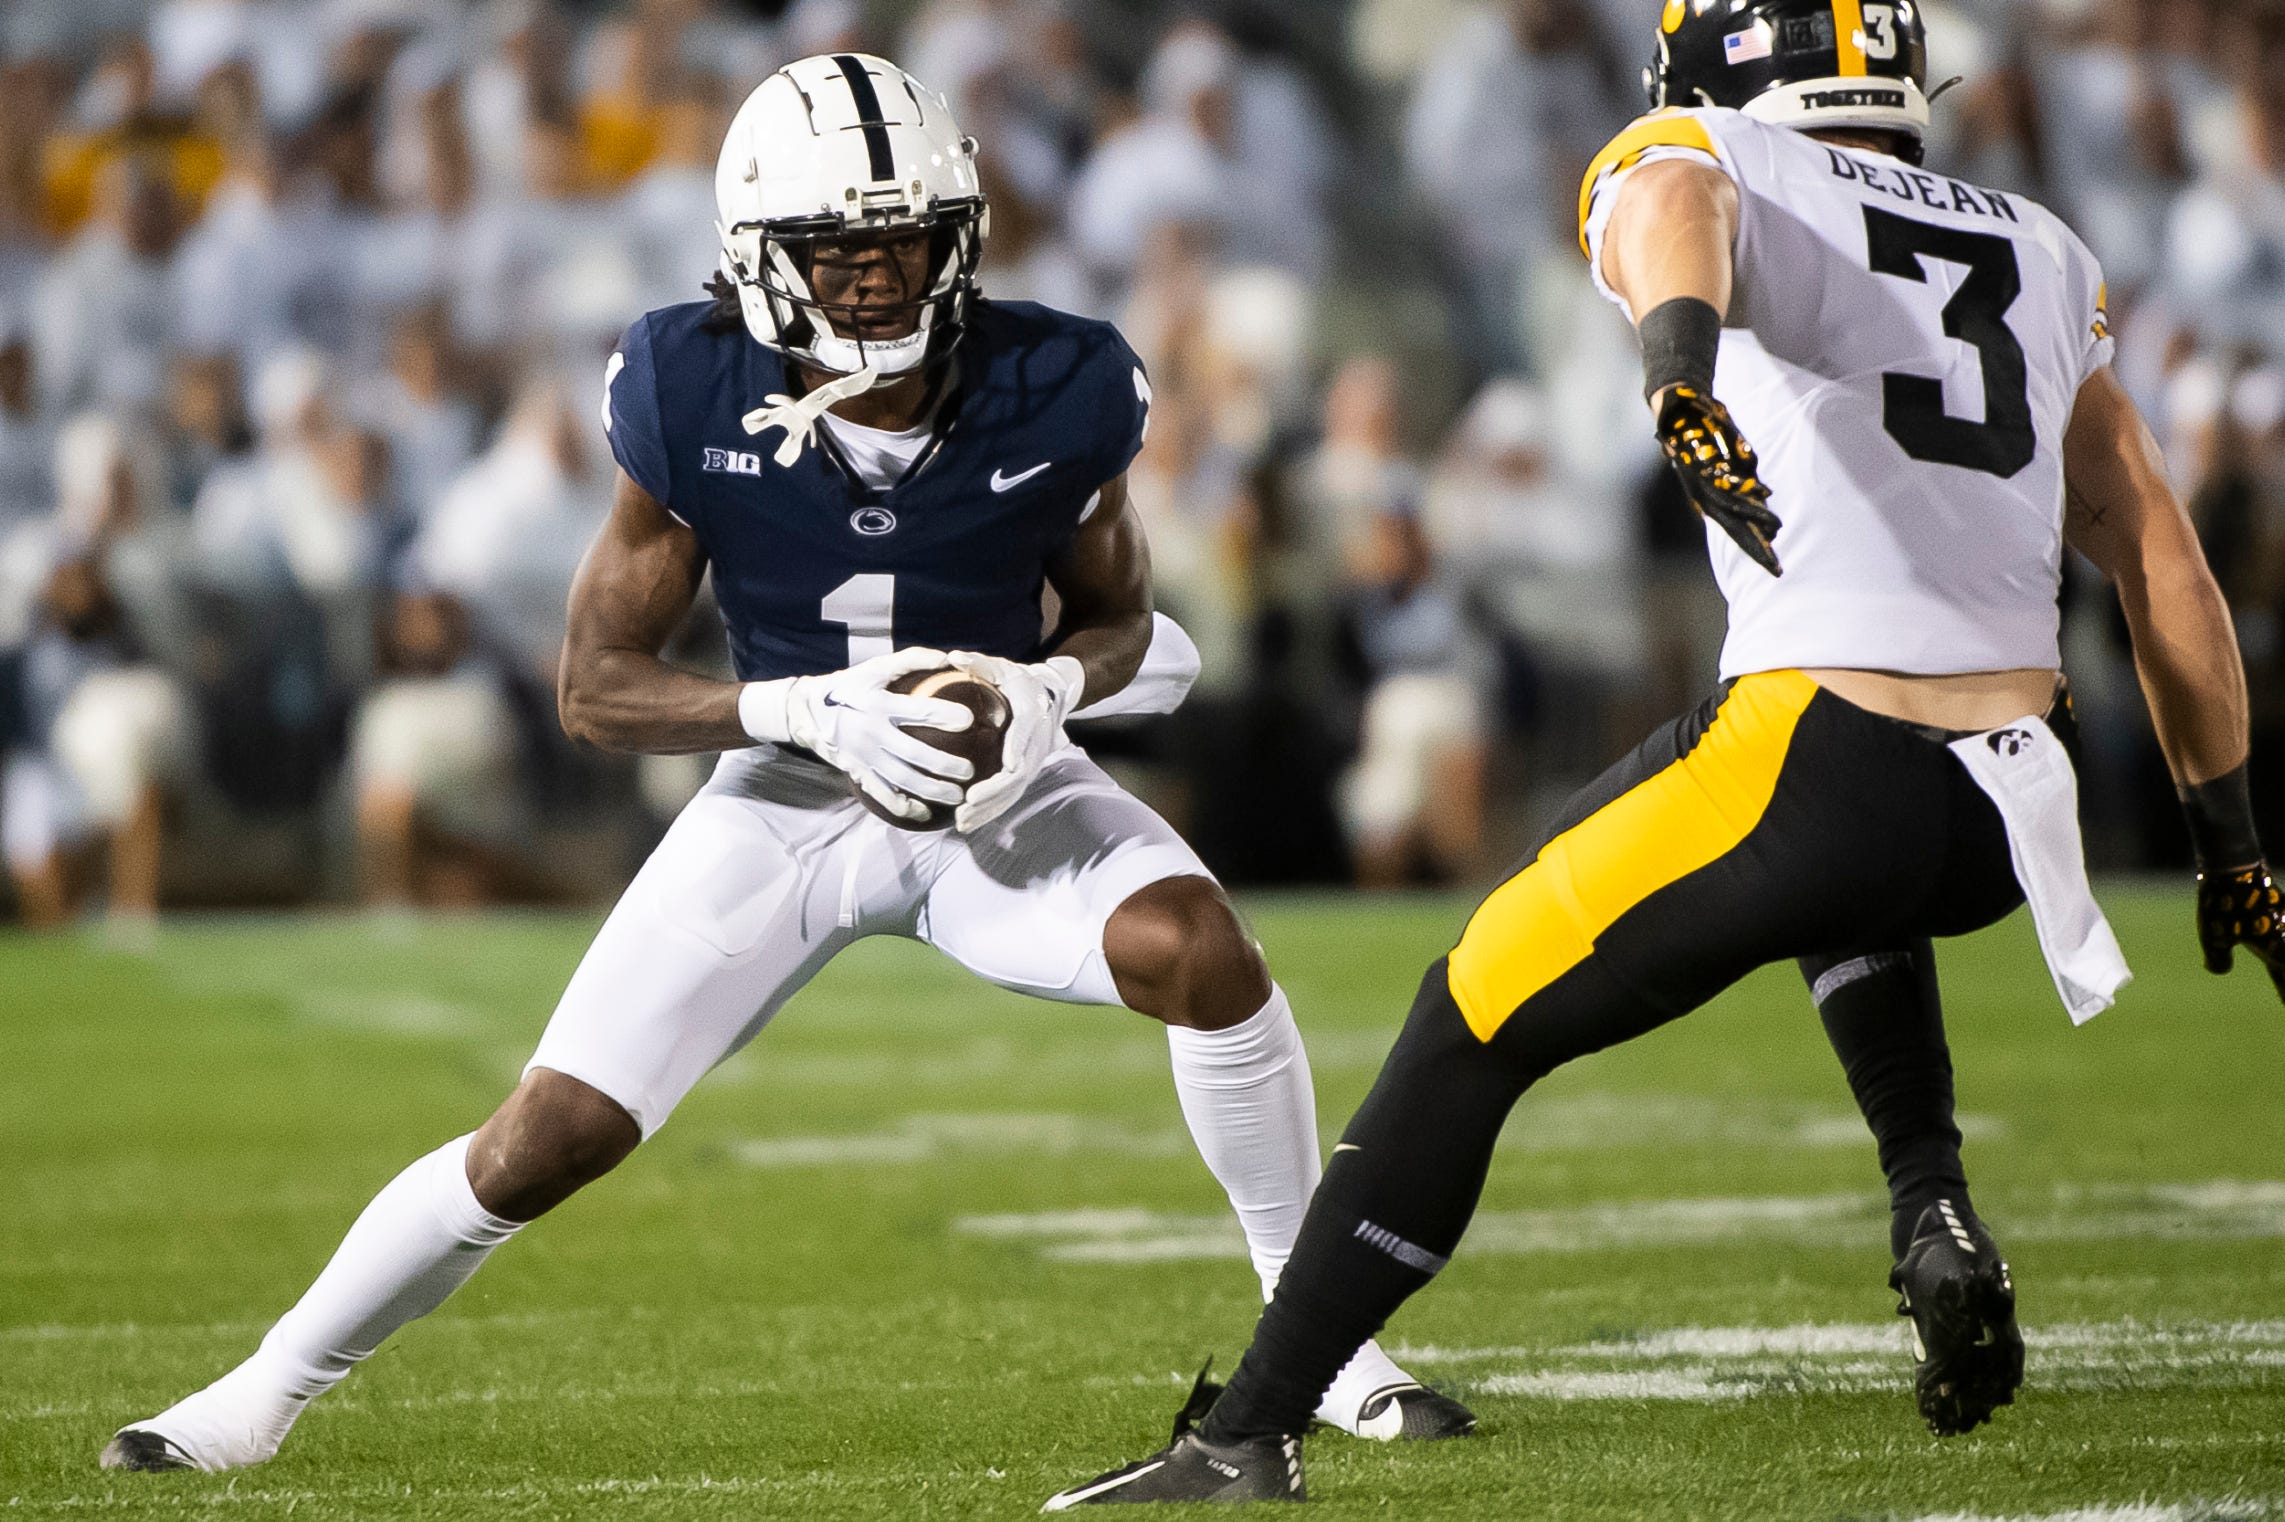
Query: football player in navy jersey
[884,472]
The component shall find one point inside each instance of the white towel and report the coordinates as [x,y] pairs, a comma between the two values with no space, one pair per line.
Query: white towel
[2027,773]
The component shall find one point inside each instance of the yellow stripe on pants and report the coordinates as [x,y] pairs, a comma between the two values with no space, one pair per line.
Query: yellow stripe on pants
[1543,921]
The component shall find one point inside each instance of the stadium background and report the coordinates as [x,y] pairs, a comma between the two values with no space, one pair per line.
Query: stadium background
[303,308]
[302,314]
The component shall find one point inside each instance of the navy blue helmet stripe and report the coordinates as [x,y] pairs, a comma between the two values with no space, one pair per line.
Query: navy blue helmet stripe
[869,113]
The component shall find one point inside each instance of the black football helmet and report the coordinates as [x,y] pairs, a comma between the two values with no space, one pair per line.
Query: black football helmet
[1798,63]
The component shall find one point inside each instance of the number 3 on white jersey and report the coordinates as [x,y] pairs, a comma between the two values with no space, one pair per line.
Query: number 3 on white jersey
[1880,32]
[865,604]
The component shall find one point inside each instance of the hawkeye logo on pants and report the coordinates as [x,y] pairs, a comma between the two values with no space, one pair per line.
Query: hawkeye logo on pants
[733,462]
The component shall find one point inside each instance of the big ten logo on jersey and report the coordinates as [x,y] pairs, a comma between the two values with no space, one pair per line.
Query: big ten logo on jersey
[1908,184]
[733,462]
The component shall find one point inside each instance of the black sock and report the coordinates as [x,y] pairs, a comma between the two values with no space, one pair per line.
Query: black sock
[1885,1018]
[1396,1198]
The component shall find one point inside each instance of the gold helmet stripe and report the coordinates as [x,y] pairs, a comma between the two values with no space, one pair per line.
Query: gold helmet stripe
[1848,36]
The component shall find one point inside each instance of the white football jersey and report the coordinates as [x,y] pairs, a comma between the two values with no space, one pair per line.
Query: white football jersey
[1903,351]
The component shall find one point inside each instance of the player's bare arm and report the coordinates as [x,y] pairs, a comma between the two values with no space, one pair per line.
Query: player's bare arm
[633,591]
[2120,513]
[1668,253]
[1103,581]
[1670,235]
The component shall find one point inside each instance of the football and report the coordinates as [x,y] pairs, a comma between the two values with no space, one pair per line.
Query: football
[980,742]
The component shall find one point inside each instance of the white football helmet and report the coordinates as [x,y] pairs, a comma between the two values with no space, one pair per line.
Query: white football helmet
[836,144]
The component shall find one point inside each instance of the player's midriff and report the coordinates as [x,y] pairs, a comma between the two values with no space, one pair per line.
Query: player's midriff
[1957,700]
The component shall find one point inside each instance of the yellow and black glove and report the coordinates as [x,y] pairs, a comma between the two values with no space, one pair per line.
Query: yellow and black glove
[2238,902]
[2242,908]
[1719,471]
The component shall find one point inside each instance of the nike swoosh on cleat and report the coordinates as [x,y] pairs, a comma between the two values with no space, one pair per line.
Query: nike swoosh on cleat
[140,1449]
[1071,1498]
[1002,483]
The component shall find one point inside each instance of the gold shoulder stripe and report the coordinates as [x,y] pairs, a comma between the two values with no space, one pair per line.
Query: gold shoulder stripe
[1661,129]
[1543,921]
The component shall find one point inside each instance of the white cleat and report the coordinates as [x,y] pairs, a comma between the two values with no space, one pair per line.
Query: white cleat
[1374,1399]
[237,1421]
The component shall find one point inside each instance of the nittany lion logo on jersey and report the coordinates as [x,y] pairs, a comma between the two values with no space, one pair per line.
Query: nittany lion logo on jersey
[873,522]
[2008,742]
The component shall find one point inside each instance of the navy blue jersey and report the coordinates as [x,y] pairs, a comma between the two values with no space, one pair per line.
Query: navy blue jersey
[814,571]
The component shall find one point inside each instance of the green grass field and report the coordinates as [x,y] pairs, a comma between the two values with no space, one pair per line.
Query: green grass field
[931,1250]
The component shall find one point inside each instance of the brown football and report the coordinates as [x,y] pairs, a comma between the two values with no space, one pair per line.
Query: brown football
[980,742]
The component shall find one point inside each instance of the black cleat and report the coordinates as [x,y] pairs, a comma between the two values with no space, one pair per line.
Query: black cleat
[1956,1289]
[131,1448]
[1414,1413]
[1192,1469]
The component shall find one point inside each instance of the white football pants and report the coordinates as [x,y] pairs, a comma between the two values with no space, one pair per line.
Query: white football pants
[774,868]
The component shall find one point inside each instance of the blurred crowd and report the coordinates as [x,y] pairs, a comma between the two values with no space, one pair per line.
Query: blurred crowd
[303,307]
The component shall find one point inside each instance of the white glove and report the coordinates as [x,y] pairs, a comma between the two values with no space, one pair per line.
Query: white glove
[1039,697]
[852,721]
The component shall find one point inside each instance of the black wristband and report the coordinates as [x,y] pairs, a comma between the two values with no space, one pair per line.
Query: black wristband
[2221,822]
[1679,340]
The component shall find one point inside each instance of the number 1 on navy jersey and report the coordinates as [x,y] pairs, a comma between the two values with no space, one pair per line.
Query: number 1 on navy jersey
[866,605]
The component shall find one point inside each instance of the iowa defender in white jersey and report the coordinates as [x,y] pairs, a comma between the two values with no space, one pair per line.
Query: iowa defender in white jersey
[1921,366]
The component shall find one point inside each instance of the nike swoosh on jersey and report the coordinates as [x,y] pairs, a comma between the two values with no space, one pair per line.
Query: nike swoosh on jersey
[1002,483]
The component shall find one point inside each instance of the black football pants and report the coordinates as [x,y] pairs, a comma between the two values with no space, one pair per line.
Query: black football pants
[1776,822]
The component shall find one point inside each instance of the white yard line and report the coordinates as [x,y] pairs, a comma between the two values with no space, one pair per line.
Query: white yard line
[1662,1222]
[356,1500]
[1084,1222]
[1625,1384]
[1698,1363]
[1801,1340]
[1599,1120]
[127,1331]
[1569,1123]
[390,1014]
[132,1331]
[2210,1209]
[2234,1510]
[930,1137]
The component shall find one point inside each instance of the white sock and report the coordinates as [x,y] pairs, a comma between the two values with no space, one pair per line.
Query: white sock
[1252,1109]
[419,1240]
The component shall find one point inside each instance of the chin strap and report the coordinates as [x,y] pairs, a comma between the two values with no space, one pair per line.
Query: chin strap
[798,415]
